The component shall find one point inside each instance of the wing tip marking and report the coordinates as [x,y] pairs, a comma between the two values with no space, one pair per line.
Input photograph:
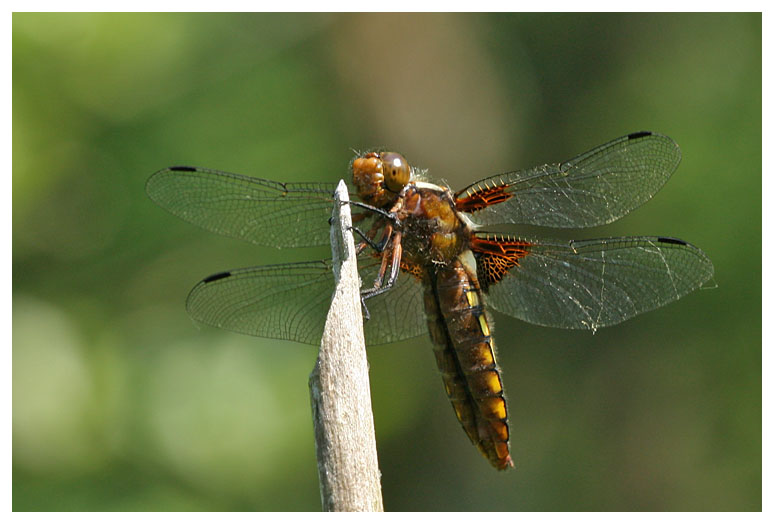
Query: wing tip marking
[639,134]
[216,277]
[672,240]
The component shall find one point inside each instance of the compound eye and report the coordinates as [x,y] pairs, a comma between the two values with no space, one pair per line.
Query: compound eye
[396,171]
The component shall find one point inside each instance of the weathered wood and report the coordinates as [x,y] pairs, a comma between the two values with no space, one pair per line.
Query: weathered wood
[339,387]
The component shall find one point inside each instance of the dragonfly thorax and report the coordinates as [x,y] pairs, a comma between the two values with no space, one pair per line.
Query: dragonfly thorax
[433,231]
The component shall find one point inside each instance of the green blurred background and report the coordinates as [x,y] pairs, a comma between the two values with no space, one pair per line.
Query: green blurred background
[121,403]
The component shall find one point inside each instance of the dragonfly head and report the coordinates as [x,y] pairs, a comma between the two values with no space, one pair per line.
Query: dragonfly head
[379,177]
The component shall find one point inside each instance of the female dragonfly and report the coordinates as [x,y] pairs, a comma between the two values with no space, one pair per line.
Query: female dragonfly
[440,258]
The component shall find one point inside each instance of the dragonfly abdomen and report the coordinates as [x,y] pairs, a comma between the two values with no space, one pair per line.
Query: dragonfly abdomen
[465,355]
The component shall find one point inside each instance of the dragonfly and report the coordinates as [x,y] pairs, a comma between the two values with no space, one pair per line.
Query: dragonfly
[436,261]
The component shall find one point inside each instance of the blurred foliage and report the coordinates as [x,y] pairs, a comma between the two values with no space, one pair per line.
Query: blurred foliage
[121,403]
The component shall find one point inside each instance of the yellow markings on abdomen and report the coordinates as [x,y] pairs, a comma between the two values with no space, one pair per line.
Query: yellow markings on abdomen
[465,355]
[484,326]
[493,407]
[473,301]
[485,384]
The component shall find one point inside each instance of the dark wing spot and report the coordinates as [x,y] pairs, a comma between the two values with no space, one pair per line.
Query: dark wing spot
[182,168]
[638,135]
[216,277]
[670,240]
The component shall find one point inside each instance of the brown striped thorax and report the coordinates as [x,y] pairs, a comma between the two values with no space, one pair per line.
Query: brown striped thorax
[436,233]
[433,261]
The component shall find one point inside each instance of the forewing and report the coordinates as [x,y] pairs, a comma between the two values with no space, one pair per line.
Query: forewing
[594,188]
[596,283]
[256,210]
[291,301]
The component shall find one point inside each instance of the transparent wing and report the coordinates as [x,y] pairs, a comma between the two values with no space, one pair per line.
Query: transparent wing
[291,301]
[260,211]
[596,283]
[397,314]
[594,188]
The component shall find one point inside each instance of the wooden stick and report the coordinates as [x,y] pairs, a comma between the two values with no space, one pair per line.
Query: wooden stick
[339,386]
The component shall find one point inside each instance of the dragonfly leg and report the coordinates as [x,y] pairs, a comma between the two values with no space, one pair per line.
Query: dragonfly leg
[395,266]
[388,215]
[366,314]
[368,238]
[376,246]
